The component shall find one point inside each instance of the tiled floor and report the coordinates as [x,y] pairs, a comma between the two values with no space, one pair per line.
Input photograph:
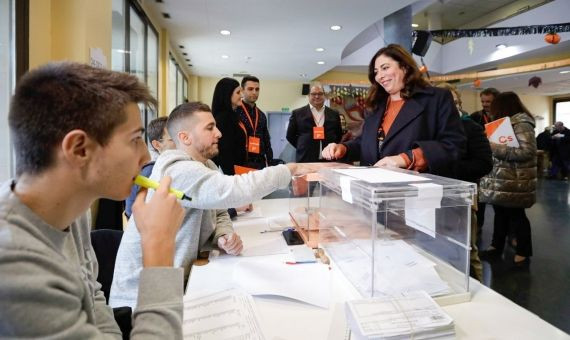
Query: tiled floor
[543,288]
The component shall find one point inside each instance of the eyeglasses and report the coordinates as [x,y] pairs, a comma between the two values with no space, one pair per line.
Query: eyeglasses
[317,94]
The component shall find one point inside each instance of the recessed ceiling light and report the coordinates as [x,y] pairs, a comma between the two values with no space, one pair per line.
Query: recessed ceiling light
[564,72]
[184,53]
[187,59]
[166,15]
[336,27]
[225,56]
[319,49]
[320,62]
[225,32]
[501,46]
[303,75]
[181,46]
[415,25]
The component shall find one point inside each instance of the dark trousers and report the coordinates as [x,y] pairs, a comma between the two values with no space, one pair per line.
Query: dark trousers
[515,219]
[480,221]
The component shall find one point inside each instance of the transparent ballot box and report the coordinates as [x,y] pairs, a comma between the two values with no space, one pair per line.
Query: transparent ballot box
[391,231]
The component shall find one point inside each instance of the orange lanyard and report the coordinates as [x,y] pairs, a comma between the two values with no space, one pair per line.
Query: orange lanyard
[249,117]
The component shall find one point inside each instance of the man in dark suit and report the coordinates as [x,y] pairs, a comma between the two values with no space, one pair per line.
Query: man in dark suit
[313,127]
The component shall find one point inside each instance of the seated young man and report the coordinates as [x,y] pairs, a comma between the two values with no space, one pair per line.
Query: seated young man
[160,141]
[78,137]
[206,222]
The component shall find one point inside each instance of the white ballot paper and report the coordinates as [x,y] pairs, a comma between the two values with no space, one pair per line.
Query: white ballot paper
[229,314]
[412,315]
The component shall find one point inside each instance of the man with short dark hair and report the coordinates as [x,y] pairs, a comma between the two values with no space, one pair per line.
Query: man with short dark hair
[206,224]
[160,141]
[560,151]
[78,137]
[313,127]
[483,116]
[254,123]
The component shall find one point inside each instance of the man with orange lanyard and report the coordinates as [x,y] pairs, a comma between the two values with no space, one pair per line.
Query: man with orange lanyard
[254,124]
[313,127]
[484,116]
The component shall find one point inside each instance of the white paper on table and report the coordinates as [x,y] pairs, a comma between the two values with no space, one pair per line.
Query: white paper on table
[228,314]
[420,210]
[379,175]
[262,238]
[307,282]
[255,213]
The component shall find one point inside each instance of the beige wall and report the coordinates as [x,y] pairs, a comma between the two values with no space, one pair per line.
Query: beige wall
[274,94]
[67,29]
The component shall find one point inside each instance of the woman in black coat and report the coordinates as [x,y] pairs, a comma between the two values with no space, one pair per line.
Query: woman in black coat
[413,125]
[232,145]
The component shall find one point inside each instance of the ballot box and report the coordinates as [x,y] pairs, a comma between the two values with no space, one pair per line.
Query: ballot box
[390,230]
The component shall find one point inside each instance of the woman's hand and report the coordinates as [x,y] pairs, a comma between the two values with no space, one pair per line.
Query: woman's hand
[392,162]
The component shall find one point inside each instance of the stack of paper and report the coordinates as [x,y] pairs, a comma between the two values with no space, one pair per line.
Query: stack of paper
[229,314]
[413,315]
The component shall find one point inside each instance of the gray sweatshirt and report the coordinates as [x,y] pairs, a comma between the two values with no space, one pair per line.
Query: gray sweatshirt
[206,217]
[48,286]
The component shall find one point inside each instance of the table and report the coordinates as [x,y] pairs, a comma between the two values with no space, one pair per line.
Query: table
[488,315]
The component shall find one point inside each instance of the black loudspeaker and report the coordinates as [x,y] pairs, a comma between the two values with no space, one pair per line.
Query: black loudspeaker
[306,89]
[421,45]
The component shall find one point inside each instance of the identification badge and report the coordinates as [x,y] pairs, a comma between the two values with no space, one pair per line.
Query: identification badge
[253,144]
[318,132]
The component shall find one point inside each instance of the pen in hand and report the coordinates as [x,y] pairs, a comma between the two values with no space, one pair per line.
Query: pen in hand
[150,184]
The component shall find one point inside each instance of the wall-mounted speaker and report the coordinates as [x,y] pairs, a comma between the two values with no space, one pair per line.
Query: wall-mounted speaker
[306,89]
[421,45]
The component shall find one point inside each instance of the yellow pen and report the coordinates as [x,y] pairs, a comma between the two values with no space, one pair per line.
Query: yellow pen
[150,184]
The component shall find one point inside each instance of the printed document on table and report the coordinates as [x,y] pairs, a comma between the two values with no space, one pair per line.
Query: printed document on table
[228,314]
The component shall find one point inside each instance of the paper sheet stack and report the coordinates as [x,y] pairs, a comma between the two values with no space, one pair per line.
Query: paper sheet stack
[413,315]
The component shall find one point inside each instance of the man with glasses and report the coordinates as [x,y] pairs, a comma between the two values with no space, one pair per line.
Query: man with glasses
[160,141]
[313,127]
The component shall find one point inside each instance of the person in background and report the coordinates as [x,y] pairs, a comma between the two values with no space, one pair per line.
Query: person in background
[206,224]
[232,146]
[511,185]
[484,116]
[78,136]
[543,152]
[560,151]
[313,127]
[160,141]
[259,152]
[412,125]
[475,162]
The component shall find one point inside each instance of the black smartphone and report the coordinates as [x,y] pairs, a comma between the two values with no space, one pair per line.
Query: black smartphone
[292,237]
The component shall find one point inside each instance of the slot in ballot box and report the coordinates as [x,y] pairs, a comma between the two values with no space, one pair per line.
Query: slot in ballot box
[391,230]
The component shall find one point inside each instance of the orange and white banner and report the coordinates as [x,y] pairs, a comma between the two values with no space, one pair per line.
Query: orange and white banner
[501,131]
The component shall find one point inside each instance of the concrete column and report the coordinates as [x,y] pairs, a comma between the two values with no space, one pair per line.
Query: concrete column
[398,28]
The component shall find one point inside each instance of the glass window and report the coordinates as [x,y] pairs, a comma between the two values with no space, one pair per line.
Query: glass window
[179,87]
[7,67]
[119,49]
[562,111]
[185,90]
[137,45]
[172,72]
[152,62]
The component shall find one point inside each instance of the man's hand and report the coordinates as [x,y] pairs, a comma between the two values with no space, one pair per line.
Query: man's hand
[334,151]
[392,162]
[230,243]
[245,208]
[158,222]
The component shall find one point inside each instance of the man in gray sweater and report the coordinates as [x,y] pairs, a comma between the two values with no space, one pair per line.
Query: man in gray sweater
[206,223]
[78,137]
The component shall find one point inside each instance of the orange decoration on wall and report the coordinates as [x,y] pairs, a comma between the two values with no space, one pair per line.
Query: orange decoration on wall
[552,38]
[423,69]
[477,83]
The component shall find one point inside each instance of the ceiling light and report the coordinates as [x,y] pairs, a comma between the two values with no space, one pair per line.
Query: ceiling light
[415,25]
[225,32]
[336,27]
[320,62]
[166,15]
[564,72]
[225,56]
[303,75]
[319,49]
[501,46]
[181,46]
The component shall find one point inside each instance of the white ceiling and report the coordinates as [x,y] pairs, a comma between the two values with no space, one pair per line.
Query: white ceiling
[276,39]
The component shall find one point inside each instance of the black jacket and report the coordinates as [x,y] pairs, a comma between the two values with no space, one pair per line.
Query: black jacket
[477,158]
[428,119]
[300,132]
